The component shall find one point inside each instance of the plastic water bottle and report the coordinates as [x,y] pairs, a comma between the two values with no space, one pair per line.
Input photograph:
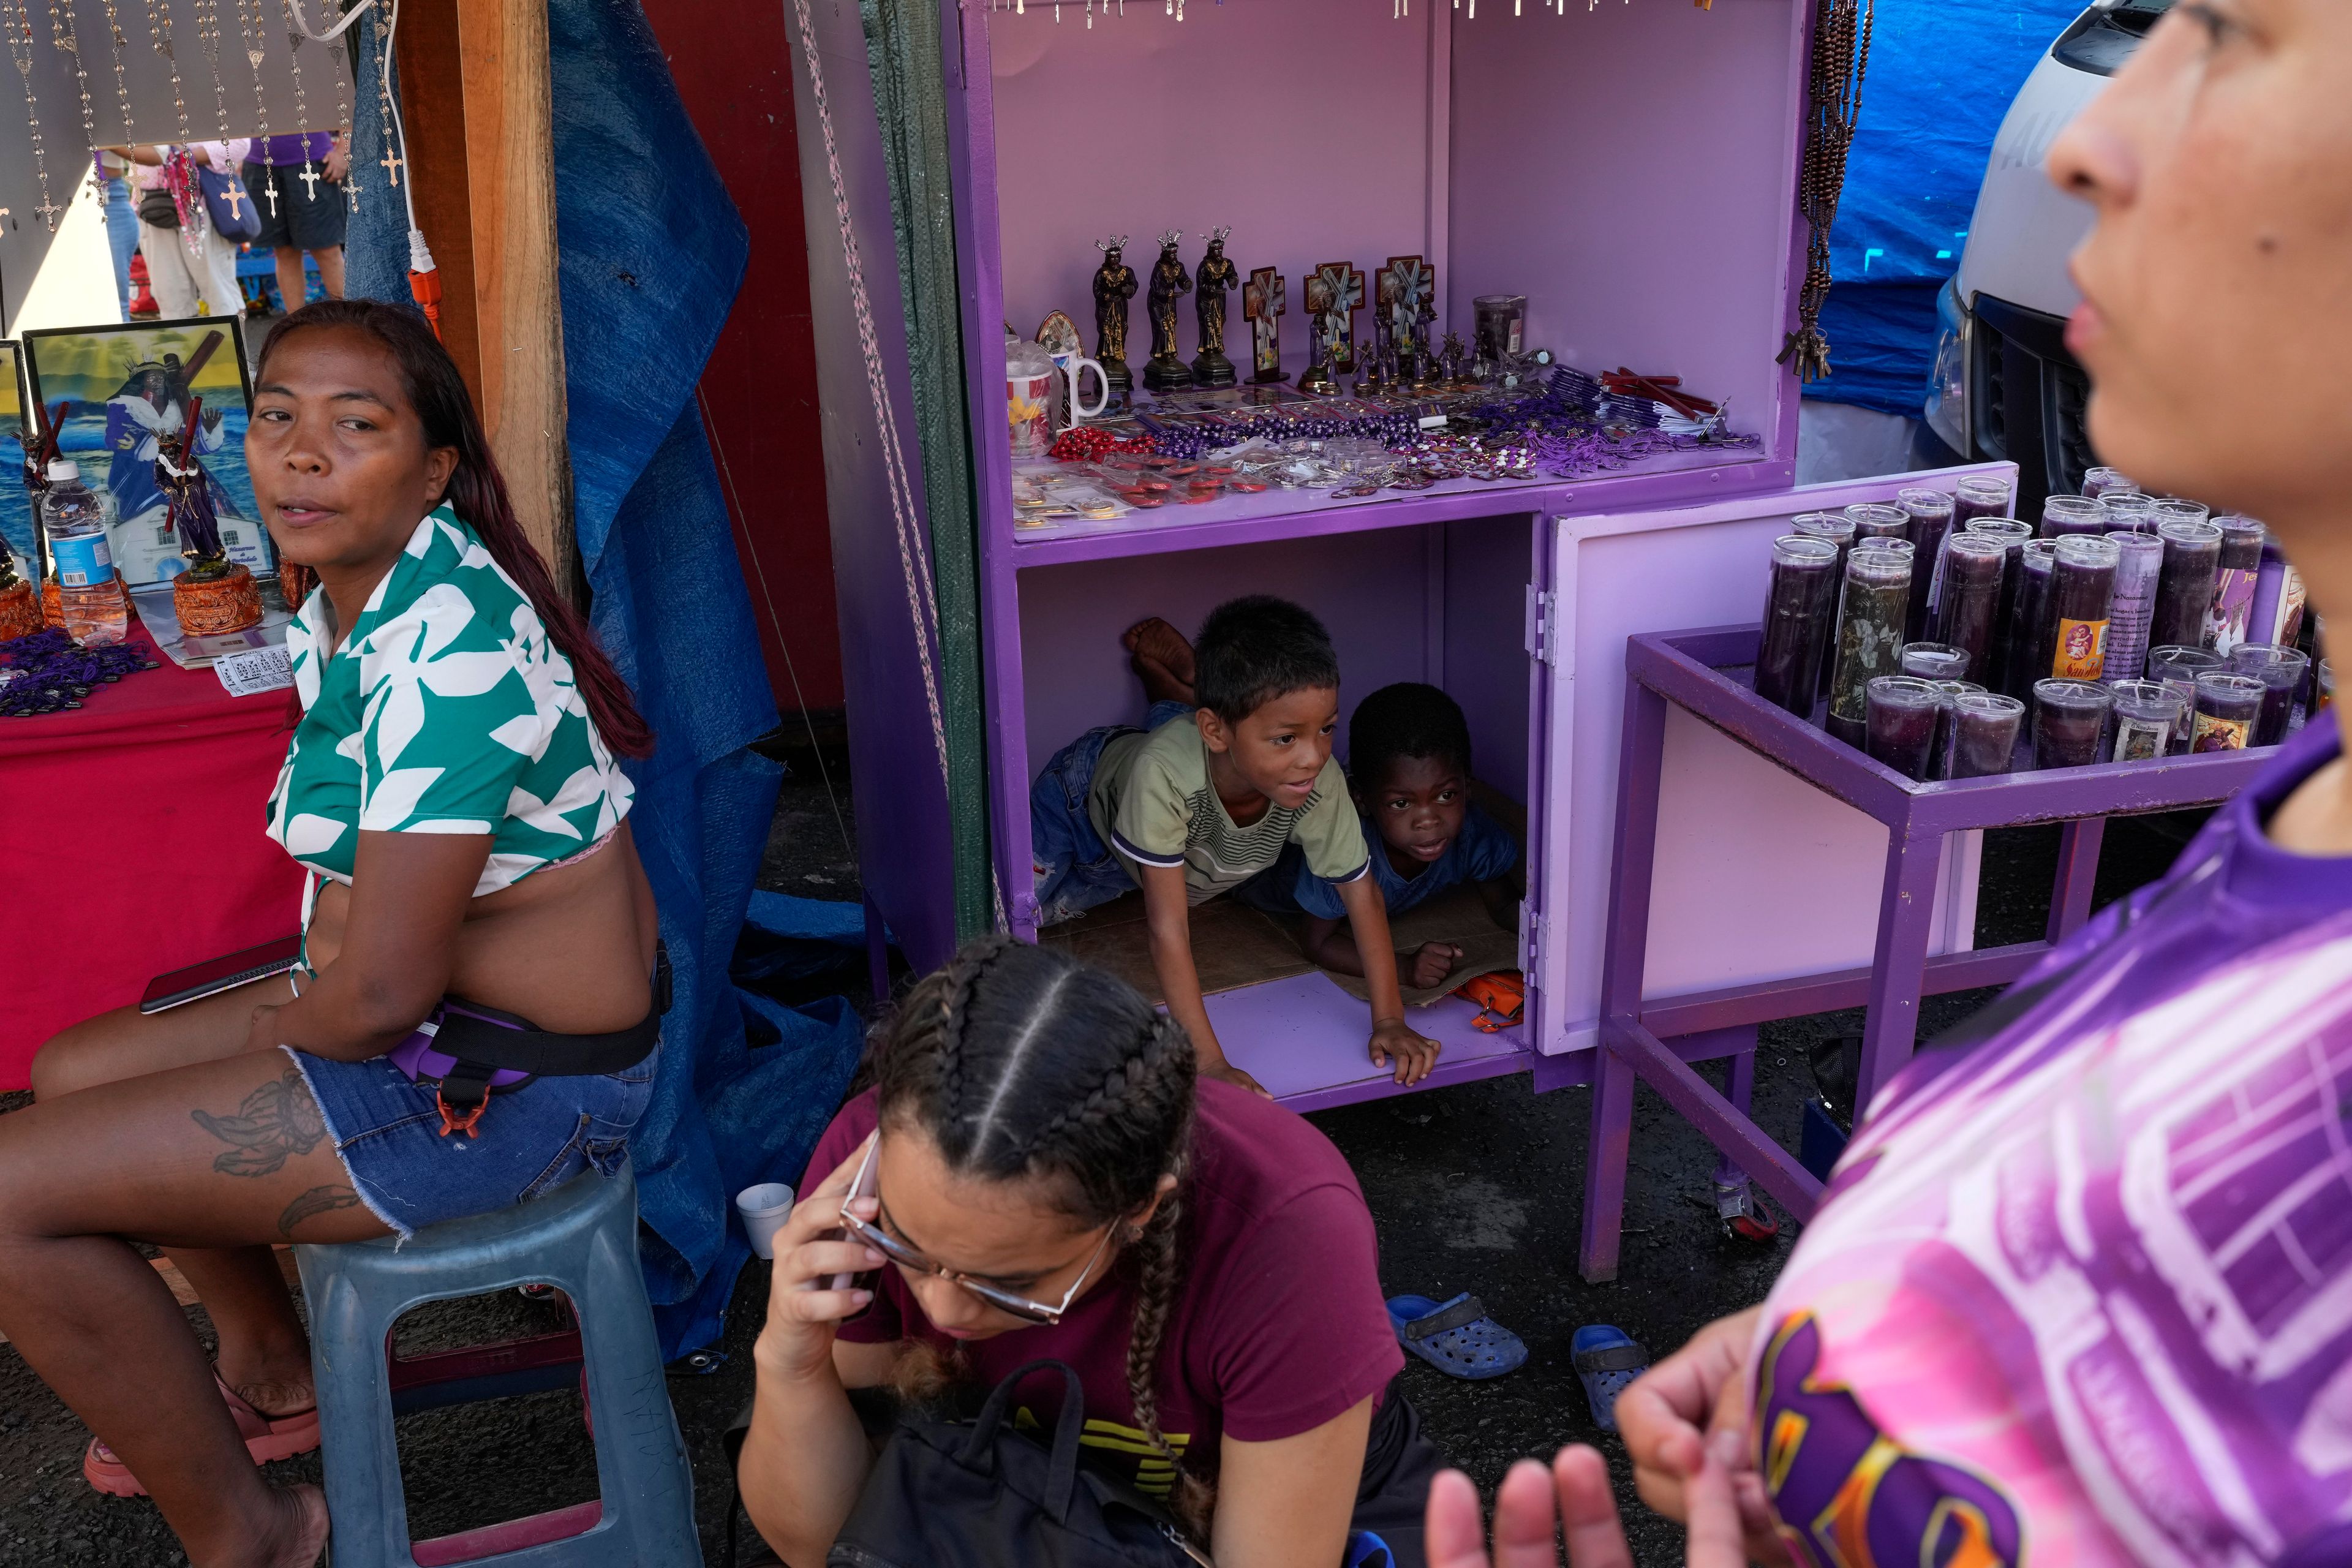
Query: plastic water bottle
[89,591]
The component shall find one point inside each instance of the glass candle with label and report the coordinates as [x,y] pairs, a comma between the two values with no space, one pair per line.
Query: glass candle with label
[2280,670]
[1948,694]
[2062,515]
[2184,588]
[2139,561]
[1967,608]
[1901,722]
[2148,714]
[2178,668]
[1980,495]
[1838,528]
[2233,582]
[2014,536]
[1930,511]
[2082,594]
[2128,510]
[1799,606]
[2099,481]
[2322,688]
[2228,708]
[2029,620]
[1870,630]
[1985,726]
[2070,720]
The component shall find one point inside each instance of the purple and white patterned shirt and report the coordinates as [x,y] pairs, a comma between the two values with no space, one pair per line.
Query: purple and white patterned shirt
[2083,1296]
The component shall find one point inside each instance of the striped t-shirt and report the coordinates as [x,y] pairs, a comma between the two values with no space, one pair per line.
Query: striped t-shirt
[1152,801]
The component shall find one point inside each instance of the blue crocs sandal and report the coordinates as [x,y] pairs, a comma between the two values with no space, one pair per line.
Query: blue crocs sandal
[1456,1337]
[1366,1549]
[1605,1362]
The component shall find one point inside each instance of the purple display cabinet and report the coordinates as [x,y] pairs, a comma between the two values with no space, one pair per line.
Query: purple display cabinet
[1683,672]
[1656,227]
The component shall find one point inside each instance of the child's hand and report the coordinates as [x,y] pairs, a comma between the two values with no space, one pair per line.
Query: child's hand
[1234,1076]
[1428,965]
[1413,1054]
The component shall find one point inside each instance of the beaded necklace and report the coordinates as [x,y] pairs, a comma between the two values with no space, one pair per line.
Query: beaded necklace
[255,33]
[159,20]
[18,22]
[116,43]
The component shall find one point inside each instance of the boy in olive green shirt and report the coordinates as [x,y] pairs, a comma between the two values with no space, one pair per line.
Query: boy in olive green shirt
[1190,810]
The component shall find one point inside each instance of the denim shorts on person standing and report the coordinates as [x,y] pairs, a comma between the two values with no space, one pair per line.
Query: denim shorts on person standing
[1076,870]
[386,1129]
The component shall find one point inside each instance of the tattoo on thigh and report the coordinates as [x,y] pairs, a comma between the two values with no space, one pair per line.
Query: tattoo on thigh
[314,1203]
[275,1121]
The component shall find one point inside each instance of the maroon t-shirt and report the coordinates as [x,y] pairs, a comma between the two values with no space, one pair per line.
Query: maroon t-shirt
[1278,1326]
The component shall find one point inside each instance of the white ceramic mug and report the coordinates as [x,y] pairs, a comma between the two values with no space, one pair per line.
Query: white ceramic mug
[764,1208]
[1029,399]
[1072,365]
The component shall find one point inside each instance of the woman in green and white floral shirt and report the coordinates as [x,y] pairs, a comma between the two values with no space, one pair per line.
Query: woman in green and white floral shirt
[451,787]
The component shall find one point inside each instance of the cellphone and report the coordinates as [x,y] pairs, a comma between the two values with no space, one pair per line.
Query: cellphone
[867,1182]
[215,975]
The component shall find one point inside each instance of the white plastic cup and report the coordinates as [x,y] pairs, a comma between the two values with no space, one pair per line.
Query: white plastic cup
[764,1208]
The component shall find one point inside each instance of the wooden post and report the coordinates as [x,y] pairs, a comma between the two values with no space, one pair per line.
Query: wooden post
[475,94]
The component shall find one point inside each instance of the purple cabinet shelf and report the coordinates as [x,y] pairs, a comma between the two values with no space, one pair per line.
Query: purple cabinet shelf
[1687,670]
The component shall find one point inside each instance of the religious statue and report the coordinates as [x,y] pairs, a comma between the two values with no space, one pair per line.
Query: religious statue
[1453,363]
[1317,376]
[214,594]
[1265,301]
[1215,277]
[1409,297]
[1384,319]
[1114,287]
[1346,283]
[1170,281]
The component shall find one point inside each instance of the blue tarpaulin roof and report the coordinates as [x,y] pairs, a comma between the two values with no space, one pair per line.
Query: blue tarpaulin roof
[1942,73]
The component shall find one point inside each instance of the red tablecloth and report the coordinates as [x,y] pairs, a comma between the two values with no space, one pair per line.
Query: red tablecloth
[131,831]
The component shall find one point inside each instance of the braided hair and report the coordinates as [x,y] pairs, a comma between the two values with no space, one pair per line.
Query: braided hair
[1021,1064]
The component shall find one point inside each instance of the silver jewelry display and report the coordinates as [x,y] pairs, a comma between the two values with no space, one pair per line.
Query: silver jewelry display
[18,19]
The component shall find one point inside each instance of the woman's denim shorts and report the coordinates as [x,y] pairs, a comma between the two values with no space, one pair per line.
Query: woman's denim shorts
[387,1130]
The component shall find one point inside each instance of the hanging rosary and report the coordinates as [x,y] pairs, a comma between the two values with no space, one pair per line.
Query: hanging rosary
[1841,57]
[20,48]
[159,21]
[62,34]
[208,38]
[122,87]
[309,176]
[343,124]
[255,34]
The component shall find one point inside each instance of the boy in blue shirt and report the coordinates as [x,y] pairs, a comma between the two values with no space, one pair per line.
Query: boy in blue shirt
[1233,767]
[1409,770]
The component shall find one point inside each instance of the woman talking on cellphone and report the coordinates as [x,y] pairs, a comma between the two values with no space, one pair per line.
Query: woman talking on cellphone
[1040,1172]
[2081,1290]
[451,790]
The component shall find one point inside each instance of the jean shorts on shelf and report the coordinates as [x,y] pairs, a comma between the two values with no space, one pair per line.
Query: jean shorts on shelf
[386,1129]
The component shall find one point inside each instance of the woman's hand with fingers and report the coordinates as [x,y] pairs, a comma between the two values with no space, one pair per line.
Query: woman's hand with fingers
[1587,1518]
[1693,1403]
[803,1310]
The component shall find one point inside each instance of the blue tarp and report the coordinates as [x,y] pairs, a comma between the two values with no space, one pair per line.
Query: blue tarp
[1942,74]
[652,252]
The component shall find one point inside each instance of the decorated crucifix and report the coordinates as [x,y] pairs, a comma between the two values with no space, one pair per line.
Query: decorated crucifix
[1266,299]
[1345,282]
[1409,294]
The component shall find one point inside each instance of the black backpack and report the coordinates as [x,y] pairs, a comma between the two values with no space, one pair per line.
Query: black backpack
[981,1495]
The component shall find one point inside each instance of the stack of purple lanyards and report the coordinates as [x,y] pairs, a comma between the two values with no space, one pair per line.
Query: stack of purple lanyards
[48,671]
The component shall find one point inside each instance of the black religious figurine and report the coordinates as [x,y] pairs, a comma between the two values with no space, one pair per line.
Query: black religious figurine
[1215,275]
[1165,372]
[1453,364]
[1114,287]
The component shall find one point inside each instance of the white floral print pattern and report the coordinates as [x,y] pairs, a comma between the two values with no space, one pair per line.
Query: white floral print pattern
[447,710]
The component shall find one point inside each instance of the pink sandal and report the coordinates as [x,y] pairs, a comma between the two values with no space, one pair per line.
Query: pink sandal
[267,1437]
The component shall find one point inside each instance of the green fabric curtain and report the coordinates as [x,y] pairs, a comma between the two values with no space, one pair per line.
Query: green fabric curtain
[902,50]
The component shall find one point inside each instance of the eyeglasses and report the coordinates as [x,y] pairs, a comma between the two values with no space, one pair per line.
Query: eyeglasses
[906,1257]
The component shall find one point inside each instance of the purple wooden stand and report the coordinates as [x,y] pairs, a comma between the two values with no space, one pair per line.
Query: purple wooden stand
[1685,669]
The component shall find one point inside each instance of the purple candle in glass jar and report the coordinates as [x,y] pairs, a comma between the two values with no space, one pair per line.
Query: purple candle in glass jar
[1838,528]
[2178,668]
[2172,509]
[2099,481]
[1870,630]
[2063,515]
[1935,661]
[1874,521]
[1984,734]
[2184,585]
[2013,536]
[2233,583]
[2148,714]
[1901,718]
[2228,708]
[2070,719]
[1797,609]
[2280,670]
[2139,561]
[2081,596]
[1948,694]
[1967,608]
[1980,495]
[1930,511]
[2029,646]
[2128,510]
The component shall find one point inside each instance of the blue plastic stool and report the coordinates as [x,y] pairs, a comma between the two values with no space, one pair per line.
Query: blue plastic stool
[581,1238]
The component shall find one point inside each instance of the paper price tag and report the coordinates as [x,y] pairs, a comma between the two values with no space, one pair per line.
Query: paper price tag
[254,670]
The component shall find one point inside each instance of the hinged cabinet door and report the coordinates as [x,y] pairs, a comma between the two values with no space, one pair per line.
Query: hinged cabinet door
[1758,876]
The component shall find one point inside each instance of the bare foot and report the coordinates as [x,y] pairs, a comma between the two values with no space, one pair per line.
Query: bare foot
[300,1536]
[1161,659]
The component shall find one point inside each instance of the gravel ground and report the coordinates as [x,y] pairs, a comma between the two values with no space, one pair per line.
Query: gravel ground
[1475,1187]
